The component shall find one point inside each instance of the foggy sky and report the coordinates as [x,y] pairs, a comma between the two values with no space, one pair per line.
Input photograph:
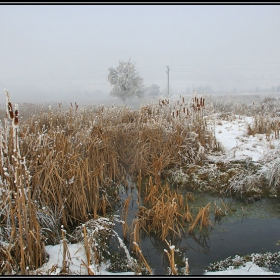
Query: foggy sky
[63,52]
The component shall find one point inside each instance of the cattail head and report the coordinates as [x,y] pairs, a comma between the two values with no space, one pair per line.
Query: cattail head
[16,115]
[10,110]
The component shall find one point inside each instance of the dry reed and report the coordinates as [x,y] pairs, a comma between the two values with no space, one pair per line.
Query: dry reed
[174,270]
[203,217]
[138,250]
[60,160]
[124,215]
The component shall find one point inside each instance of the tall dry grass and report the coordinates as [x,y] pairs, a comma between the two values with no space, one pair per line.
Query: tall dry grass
[56,165]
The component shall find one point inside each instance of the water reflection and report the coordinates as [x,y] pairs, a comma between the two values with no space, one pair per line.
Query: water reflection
[203,241]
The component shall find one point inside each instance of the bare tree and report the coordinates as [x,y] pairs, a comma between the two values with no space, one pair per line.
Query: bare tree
[126,81]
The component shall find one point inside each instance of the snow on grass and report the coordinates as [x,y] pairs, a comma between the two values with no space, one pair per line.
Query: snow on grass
[238,146]
[248,268]
[75,262]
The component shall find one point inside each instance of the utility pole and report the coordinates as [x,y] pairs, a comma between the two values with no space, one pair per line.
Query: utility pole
[167,81]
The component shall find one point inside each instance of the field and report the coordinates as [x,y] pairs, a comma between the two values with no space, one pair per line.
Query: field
[63,168]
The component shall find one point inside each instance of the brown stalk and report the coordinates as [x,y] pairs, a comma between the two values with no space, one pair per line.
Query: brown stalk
[142,257]
[203,216]
[87,249]
[125,212]
[171,259]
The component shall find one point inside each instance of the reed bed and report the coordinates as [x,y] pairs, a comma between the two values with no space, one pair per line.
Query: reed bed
[61,165]
[166,212]
[56,165]
[164,215]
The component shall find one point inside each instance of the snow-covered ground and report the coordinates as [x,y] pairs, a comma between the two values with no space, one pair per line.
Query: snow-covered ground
[77,257]
[238,145]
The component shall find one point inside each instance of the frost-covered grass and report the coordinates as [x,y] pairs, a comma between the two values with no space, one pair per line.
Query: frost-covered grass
[63,166]
[254,264]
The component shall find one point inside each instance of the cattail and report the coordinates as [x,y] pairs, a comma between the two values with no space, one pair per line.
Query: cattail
[16,115]
[10,110]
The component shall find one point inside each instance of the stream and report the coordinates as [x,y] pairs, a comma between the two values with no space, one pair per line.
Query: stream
[247,228]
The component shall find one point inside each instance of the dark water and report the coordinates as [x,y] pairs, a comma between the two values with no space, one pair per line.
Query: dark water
[246,229]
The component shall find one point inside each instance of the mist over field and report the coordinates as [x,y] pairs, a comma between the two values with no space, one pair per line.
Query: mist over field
[62,53]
